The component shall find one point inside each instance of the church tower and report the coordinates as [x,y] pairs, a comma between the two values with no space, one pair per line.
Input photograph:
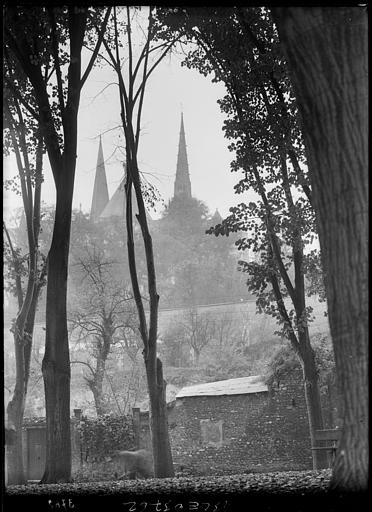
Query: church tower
[100,190]
[182,184]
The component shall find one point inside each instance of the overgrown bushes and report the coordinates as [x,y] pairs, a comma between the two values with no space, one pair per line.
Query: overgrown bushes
[99,437]
[284,362]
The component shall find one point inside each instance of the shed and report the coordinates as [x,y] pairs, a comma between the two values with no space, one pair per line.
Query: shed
[240,386]
[240,425]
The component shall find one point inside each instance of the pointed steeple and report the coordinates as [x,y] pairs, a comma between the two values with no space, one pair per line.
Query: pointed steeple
[217,218]
[182,184]
[116,206]
[100,190]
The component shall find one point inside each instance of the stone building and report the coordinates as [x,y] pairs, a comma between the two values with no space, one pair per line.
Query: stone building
[237,426]
[233,426]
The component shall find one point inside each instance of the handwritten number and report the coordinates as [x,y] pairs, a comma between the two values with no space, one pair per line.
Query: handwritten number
[193,506]
[63,504]
[132,507]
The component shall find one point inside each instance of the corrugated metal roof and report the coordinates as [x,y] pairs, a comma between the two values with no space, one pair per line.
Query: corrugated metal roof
[241,386]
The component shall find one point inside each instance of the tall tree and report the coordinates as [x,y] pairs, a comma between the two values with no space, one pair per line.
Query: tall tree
[327,51]
[23,138]
[262,124]
[47,42]
[132,88]
[101,308]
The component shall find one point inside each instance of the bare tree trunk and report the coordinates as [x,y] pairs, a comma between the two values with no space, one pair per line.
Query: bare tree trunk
[326,49]
[15,410]
[56,361]
[313,401]
[103,349]
[128,96]
[16,406]
[302,347]
[96,386]
[331,404]
[98,401]
[196,356]
[163,464]
[161,449]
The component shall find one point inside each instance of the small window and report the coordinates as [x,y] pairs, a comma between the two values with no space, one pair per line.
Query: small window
[212,432]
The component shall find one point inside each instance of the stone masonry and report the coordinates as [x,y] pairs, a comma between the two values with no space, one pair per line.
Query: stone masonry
[239,433]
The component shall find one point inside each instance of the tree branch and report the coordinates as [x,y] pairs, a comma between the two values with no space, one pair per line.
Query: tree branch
[85,364]
[277,88]
[132,263]
[296,166]
[19,97]
[56,60]
[283,313]
[22,51]
[97,47]
[142,86]
[130,63]
[38,183]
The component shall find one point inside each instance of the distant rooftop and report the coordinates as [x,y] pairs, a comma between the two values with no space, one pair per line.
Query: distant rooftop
[242,386]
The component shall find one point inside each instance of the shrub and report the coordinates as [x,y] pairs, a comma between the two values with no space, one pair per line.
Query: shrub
[101,436]
[284,362]
[96,472]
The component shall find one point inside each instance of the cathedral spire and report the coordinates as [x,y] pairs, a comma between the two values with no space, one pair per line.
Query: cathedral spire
[217,218]
[182,184]
[100,191]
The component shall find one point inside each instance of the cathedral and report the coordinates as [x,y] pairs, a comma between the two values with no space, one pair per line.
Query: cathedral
[104,208]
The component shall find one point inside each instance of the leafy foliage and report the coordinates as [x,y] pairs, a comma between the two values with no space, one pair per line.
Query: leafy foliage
[284,362]
[236,360]
[101,436]
[304,485]
[242,50]
[15,264]
[315,275]
[34,421]
[262,124]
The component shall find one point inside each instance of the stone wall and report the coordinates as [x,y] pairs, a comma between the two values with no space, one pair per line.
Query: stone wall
[256,432]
